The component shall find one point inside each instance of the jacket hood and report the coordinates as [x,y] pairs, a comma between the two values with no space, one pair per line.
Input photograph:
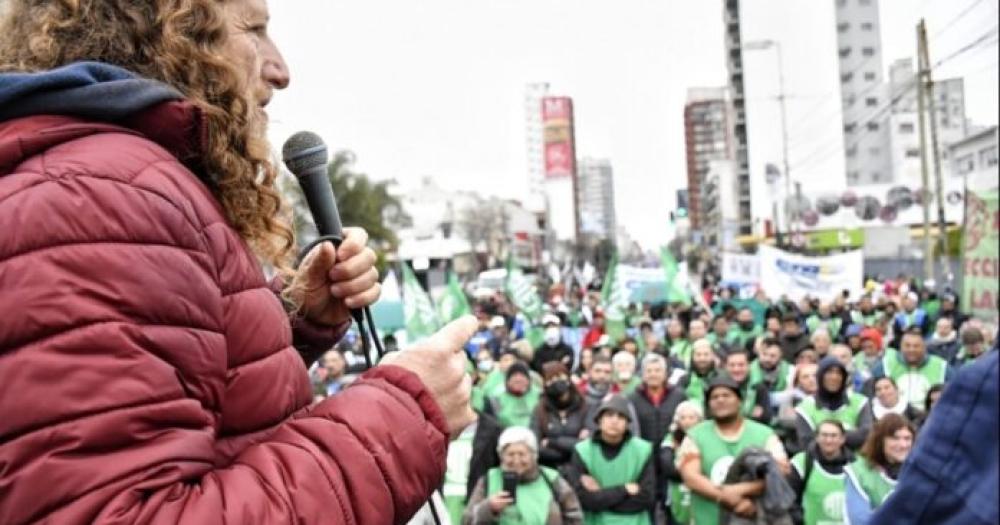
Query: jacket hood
[826,398]
[89,90]
[43,109]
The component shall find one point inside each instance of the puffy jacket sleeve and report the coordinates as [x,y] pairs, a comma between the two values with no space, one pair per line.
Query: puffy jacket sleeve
[113,357]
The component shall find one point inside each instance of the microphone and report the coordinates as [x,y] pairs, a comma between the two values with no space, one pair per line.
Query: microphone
[306,156]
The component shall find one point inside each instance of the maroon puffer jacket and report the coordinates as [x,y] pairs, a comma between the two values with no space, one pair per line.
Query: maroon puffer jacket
[147,368]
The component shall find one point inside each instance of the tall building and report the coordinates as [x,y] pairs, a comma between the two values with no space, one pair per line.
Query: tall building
[864,99]
[708,131]
[734,65]
[535,138]
[596,198]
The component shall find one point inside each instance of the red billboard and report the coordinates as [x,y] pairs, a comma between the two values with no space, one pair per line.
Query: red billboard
[557,119]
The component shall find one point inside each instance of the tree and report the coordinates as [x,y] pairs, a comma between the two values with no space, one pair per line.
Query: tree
[486,224]
[361,202]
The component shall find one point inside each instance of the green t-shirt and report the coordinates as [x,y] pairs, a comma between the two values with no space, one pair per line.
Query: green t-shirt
[717,455]
[823,495]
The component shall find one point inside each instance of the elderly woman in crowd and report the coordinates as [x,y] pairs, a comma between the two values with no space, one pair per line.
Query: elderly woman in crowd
[542,496]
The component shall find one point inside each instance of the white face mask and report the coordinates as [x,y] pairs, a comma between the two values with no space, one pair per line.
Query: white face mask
[485,365]
[552,336]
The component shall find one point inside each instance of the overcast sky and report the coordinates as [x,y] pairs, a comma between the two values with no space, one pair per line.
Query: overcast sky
[436,87]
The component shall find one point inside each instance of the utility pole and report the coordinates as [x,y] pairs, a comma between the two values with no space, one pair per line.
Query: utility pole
[925,192]
[929,90]
[784,128]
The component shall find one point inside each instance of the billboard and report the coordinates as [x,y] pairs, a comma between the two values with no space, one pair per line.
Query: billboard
[557,120]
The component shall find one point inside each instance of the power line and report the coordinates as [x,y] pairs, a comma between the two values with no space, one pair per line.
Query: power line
[955,20]
[982,39]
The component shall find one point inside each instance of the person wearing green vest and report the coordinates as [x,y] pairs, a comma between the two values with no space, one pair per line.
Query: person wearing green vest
[710,448]
[701,372]
[515,404]
[624,379]
[696,330]
[872,477]
[688,414]
[834,401]
[745,330]
[677,344]
[612,471]
[870,356]
[913,369]
[865,314]
[817,476]
[541,496]
[825,319]
[769,368]
[756,400]
[719,336]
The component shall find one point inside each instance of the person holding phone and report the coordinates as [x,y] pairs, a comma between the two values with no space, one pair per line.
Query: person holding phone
[520,491]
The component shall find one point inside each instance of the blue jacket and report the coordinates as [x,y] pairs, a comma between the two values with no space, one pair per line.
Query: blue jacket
[951,477]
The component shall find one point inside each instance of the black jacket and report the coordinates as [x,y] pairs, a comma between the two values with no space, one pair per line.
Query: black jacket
[791,346]
[561,352]
[831,401]
[484,450]
[561,431]
[614,499]
[654,422]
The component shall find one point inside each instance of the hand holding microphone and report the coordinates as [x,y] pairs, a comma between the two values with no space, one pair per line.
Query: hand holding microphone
[331,281]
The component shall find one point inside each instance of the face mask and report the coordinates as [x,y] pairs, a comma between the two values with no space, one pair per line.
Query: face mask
[557,389]
[485,365]
[625,376]
[552,336]
[746,325]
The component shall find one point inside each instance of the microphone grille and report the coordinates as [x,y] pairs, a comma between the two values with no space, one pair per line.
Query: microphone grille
[304,150]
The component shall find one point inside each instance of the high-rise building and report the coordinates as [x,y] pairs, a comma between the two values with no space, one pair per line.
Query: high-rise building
[708,131]
[734,65]
[535,138]
[595,188]
[864,99]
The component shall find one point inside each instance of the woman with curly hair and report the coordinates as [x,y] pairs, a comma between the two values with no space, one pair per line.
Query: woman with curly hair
[150,369]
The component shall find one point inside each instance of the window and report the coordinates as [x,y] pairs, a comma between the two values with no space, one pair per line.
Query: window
[965,164]
[875,152]
[870,76]
[871,102]
[852,176]
[906,128]
[852,152]
[843,27]
[876,176]
[868,51]
[846,77]
[845,52]
[988,157]
[841,3]
[865,2]
[849,128]
[867,26]
[873,126]
[912,153]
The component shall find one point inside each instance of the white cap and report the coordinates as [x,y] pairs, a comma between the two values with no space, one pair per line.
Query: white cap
[551,319]
[518,435]
[498,322]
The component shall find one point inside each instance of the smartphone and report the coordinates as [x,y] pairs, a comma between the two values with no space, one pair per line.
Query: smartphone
[510,484]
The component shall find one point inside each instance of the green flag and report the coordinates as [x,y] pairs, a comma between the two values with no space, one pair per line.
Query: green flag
[676,291]
[522,292]
[421,319]
[453,304]
[614,298]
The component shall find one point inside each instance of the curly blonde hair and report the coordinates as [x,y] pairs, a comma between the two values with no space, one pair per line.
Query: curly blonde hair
[178,42]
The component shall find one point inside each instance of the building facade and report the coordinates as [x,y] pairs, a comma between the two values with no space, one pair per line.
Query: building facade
[534,133]
[596,198]
[708,132]
[734,67]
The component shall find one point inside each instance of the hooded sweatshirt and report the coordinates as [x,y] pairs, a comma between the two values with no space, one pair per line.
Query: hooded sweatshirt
[850,405]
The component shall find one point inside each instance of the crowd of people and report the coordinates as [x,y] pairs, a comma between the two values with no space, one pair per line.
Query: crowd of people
[696,414]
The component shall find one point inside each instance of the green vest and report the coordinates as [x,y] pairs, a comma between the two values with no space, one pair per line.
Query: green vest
[832,325]
[515,411]
[740,336]
[680,502]
[749,398]
[717,455]
[875,486]
[914,382]
[861,366]
[681,350]
[494,382]
[477,398]
[864,320]
[626,467]
[695,389]
[533,499]
[757,375]
[823,495]
[847,414]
